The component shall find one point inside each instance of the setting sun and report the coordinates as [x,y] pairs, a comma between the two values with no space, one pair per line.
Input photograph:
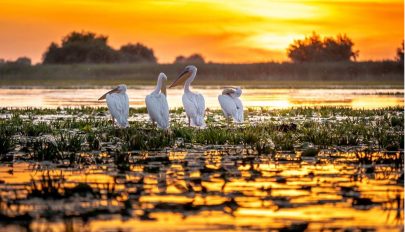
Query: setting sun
[220,31]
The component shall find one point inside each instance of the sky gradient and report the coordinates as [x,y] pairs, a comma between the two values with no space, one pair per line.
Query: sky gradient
[222,31]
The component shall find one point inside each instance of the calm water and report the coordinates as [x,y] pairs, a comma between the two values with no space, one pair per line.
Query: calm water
[204,189]
[274,98]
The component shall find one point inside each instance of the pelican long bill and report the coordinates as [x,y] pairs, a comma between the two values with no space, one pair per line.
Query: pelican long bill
[180,79]
[115,90]
[228,90]
[163,88]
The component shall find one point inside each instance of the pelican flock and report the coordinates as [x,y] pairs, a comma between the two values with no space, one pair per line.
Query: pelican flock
[156,103]
[158,108]
[231,104]
[118,104]
[193,103]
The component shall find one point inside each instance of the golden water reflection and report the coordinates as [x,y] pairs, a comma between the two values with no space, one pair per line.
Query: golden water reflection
[274,98]
[205,190]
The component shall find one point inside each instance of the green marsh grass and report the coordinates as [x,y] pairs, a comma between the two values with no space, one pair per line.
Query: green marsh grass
[61,138]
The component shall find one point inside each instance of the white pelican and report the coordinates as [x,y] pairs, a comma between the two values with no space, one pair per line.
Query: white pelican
[118,104]
[231,104]
[193,103]
[156,103]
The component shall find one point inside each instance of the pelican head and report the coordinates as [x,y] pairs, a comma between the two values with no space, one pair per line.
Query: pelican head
[238,91]
[163,79]
[119,89]
[162,76]
[184,75]
[233,90]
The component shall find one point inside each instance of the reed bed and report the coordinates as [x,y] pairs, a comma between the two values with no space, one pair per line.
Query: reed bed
[383,74]
[307,130]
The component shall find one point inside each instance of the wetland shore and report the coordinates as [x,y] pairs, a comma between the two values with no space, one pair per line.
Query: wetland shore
[70,168]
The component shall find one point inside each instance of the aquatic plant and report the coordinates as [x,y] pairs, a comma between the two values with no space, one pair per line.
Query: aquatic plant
[93,141]
[6,144]
[34,129]
[70,142]
[46,187]
[44,149]
[283,129]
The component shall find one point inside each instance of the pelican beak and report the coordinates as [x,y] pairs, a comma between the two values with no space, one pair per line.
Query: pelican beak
[228,91]
[181,78]
[111,91]
[163,88]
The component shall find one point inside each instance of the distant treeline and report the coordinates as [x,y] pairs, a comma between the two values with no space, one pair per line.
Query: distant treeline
[249,74]
[90,48]
[87,47]
[84,58]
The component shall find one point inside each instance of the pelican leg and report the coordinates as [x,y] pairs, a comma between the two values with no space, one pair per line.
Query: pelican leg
[228,119]
[167,131]
[189,122]
[112,120]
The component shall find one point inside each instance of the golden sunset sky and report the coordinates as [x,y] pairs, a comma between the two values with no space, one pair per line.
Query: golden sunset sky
[222,31]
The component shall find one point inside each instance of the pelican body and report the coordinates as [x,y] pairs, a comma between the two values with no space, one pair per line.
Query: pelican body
[231,104]
[156,103]
[118,105]
[193,103]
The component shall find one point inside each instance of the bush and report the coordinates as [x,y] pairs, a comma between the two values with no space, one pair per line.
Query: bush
[23,61]
[137,53]
[193,59]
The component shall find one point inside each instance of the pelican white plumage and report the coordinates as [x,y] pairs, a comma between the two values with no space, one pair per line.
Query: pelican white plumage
[156,103]
[118,104]
[193,103]
[231,104]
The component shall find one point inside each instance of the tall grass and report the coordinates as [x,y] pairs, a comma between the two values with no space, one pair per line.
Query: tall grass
[272,74]
[62,139]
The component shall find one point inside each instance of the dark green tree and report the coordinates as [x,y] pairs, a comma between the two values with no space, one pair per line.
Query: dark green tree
[316,49]
[137,53]
[192,59]
[53,54]
[81,47]
[87,47]
[400,53]
[23,61]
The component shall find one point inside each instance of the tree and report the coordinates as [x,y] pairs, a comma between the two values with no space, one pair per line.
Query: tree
[400,53]
[137,53]
[23,61]
[53,55]
[316,49]
[193,59]
[87,47]
[180,59]
[81,47]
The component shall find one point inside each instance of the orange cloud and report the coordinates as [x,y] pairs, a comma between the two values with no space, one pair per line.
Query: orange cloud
[229,31]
